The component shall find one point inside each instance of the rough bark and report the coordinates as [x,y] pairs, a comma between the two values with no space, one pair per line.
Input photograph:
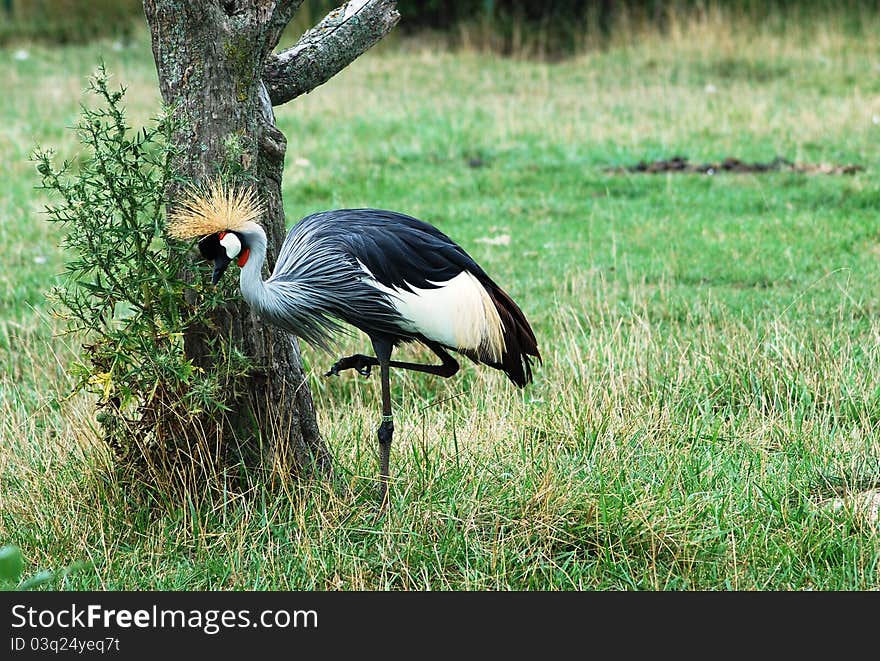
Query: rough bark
[328,48]
[210,56]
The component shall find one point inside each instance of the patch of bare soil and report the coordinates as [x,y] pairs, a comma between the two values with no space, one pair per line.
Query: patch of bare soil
[735,165]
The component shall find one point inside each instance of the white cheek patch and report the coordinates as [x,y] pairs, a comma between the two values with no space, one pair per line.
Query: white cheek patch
[232,245]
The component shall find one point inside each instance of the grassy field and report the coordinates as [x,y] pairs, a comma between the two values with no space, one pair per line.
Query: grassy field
[711,376]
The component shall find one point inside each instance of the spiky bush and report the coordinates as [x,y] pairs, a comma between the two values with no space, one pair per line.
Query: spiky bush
[124,293]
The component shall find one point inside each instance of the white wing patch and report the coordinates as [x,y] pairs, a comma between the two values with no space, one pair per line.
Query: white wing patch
[458,314]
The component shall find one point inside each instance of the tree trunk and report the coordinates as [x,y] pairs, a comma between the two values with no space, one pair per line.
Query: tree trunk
[212,57]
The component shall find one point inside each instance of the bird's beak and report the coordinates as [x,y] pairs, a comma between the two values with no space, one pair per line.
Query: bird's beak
[221,263]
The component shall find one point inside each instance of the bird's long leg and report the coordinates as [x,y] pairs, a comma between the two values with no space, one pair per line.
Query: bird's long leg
[363,364]
[386,428]
[447,368]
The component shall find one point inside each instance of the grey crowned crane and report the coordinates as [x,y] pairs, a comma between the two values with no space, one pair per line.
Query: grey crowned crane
[396,278]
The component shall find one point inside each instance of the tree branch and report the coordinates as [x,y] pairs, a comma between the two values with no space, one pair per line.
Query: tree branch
[330,46]
[284,12]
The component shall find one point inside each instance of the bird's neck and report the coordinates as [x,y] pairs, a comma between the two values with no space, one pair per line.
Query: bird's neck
[253,289]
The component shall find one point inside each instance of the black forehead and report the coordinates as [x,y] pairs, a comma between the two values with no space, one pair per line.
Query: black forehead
[210,247]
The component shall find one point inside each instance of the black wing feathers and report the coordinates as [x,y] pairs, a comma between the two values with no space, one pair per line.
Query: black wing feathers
[399,250]
[404,252]
[520,345]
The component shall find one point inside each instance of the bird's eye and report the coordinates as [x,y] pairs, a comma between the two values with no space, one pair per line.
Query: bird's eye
[232,245]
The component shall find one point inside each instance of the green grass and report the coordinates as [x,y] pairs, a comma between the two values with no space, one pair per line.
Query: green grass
[710,378]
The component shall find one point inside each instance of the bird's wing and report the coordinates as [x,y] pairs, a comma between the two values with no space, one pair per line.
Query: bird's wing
[399,251]
[317,277]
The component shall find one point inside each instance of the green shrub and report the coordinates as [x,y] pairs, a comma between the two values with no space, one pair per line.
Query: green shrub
[124,293]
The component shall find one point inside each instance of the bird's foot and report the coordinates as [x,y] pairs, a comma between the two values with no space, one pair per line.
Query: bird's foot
[363,365]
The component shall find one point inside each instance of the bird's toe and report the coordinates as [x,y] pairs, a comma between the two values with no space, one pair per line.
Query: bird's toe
[363,365]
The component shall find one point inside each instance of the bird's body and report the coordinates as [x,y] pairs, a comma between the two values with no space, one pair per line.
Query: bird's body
[396,278]
[392,276]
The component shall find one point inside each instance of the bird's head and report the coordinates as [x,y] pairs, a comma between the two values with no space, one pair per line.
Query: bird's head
[224,218]
[221,248]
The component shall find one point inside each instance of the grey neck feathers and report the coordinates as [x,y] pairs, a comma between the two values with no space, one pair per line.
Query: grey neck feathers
[314,287]
[253,289]
[283,302]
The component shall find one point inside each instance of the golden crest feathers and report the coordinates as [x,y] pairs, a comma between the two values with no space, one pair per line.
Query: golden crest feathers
[213,208]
